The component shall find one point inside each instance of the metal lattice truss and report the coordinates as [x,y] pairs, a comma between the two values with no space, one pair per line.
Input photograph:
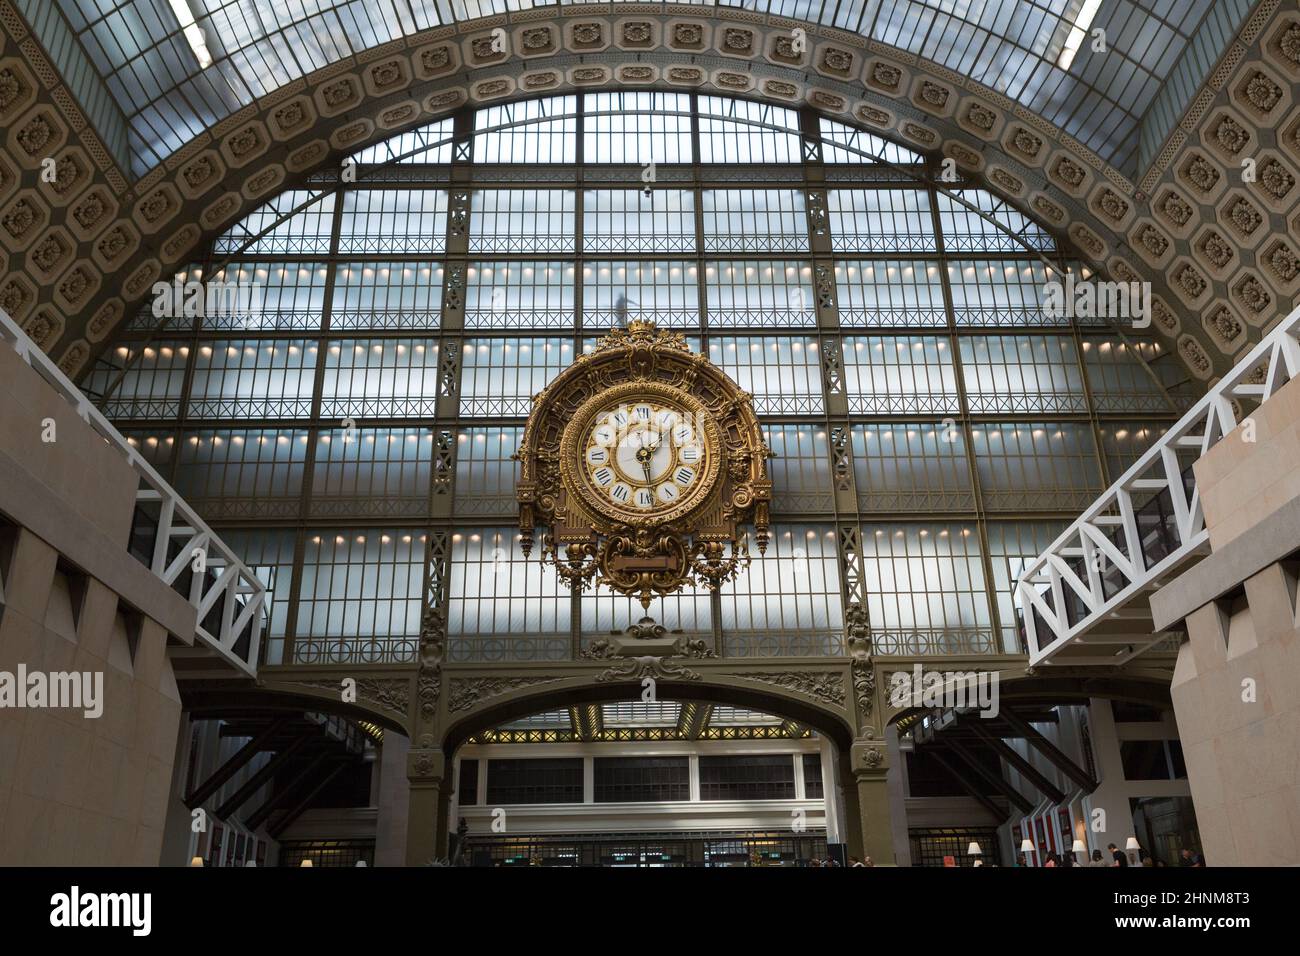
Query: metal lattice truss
[182,551]
[1083,600]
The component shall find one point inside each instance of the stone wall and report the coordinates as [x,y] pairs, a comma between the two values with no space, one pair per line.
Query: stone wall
[76,789]
[1236,686]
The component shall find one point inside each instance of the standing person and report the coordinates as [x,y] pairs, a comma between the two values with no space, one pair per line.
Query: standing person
[1117,855]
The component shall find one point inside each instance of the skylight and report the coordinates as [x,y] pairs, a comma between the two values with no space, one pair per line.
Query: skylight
[1078,32]
[193,32]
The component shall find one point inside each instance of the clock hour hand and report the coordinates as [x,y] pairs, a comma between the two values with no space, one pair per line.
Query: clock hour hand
[643,455]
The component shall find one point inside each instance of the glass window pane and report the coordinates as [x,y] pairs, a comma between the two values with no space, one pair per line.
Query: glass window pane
[925,589]
[880,220]
[889,292]
[503,606]
[900,374]
[359,597]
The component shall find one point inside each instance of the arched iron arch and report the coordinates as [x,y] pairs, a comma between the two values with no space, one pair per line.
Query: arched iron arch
[829,724]
[281,697]
[924,177]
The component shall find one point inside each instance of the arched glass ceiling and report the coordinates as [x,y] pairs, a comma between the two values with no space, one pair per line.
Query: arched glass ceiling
[176,67]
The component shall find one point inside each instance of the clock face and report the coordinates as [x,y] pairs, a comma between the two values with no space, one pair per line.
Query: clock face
[644,457]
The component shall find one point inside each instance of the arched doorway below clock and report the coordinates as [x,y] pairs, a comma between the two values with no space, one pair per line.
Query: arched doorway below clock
[700,775]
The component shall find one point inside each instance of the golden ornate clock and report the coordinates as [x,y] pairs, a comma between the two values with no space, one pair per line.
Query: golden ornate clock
[641,462]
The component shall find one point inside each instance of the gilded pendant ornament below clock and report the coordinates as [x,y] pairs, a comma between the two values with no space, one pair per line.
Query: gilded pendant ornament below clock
[641,461]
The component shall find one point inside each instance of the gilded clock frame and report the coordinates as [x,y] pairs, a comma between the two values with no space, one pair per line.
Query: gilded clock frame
[586,536]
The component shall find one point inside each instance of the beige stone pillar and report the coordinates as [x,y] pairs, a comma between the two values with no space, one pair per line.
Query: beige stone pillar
[870,772]
[393,801]
[1238,710]
[426,822]
[851,825]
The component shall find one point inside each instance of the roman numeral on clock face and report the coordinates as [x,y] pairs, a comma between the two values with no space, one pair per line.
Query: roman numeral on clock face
[643,455]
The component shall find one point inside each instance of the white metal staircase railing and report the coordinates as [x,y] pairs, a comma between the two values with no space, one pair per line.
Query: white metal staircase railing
[1146,524]
[228,598]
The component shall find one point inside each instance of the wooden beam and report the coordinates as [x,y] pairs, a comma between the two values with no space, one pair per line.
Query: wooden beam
[277,800]
[984,800]
[1011,756]
[1018,799]
[227,770]
[1049,750]
[296,811]
[258,780]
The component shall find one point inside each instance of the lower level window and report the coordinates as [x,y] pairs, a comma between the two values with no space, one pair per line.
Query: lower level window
[756,777]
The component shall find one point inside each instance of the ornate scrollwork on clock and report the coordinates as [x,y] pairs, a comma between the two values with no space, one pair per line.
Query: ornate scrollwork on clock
[640,464]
